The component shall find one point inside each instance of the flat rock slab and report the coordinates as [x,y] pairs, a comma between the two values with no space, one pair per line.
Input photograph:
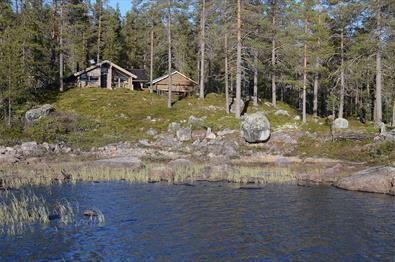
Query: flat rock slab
[375,180]
[131,162]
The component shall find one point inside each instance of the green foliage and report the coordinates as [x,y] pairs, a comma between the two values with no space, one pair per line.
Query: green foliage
[59,127]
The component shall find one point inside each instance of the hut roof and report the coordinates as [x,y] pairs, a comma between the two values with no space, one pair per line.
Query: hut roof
[126,72]
[166,76]
[140,73]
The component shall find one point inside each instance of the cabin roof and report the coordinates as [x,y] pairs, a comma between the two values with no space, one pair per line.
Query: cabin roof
[126,72]
[166,76]
[140,73]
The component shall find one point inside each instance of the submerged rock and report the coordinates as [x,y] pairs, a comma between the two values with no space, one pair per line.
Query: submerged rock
[90,213]
[255,127]
[340,123]
[375,180]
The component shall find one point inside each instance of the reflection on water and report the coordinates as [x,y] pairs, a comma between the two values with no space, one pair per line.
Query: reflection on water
[211,222]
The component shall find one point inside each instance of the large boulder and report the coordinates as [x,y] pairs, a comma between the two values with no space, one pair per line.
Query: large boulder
[255,127]
[375,180]
[38,113]
[340,123]
[184,134]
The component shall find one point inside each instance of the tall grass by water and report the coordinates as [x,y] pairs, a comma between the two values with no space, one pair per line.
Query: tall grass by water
[22,209]
[19,177]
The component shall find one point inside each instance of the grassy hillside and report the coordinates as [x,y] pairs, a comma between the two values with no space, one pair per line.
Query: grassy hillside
[86,118]
[95,117]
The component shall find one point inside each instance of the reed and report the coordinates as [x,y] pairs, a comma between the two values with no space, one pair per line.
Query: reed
[17,179]
[19,211]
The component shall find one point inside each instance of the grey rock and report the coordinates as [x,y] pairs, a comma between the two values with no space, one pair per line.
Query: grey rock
[144,143]
[130,162]
[340,123]
[226,131]
[166,140]
[90,213]
[198,134]
[32,149]
[281,137]
[381,126]
[230,149]
[233,106]
[281,112]
[184,134]
[29,146]
[173,127]
[196,121]
[152,132]
[375,180]
[37,113]
[255,127]
[210,134]
[8,159]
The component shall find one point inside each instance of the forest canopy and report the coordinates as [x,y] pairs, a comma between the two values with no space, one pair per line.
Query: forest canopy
[325,57]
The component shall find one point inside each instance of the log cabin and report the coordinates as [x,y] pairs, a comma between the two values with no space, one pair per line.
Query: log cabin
[107,74]
[181,84]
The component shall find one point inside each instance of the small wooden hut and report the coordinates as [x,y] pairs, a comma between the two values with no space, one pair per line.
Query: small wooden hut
[141,80]
[105,74]
[181,84]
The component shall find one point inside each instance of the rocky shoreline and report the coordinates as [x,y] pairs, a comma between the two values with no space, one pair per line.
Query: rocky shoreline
[219,153]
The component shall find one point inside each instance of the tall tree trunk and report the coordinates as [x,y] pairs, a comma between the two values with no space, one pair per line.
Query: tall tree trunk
[99,33]
[274,91]
[342,80]
[151,69]
[378,104]
[169,81]
[255,77]
[315,91]
[304,72]
[61,62]
[317,65]
[99,40]
[202,48]
[9,93]
[226,60]
[393,112]
[238,62]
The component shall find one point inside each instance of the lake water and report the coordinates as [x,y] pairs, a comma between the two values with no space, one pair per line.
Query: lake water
[212,222]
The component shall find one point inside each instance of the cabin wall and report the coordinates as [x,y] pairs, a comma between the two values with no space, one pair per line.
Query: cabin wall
[92,79]
[180,84]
